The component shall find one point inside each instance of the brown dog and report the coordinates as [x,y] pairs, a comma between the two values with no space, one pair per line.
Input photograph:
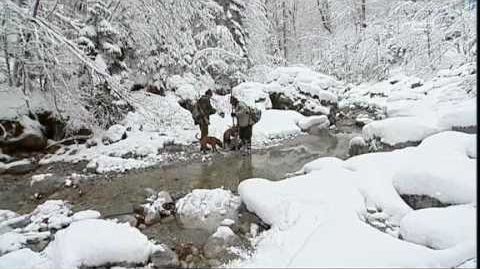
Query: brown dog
[209,140]
[229,135]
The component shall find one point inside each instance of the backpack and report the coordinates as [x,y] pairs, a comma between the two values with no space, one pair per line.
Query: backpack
[255,115]
[196,114]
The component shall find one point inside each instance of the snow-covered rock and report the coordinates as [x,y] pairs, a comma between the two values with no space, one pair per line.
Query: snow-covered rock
[307,81]
[440,228]
[362,120]
[317,218]
[415,108]
[320,122]
[217,244]
[32,137]
[393,131]
[276,124]
[206,209]
[357,146]
[11,241]
[52,214]
[253,94]
[86,214]
[98,242]
[161,205]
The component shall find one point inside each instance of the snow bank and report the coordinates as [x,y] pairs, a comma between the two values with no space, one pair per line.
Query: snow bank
[392,131]
[306,81]
[253,94]
[317,217]
[163,121]
[207,208]
[96,243]
[13,103]
[276,124]
[440,228]
[439,104]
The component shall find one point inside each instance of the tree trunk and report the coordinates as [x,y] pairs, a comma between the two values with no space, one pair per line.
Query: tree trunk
[35,8]
[324,14]
[5,51]
[363,17]
[284,30]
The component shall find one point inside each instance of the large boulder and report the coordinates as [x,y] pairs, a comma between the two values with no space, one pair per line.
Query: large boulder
[29,136]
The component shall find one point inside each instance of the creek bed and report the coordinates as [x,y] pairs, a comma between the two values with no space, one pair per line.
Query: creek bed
[118,193]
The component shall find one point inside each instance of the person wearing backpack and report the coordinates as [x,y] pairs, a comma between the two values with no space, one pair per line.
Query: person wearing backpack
[201,113]
[246,118]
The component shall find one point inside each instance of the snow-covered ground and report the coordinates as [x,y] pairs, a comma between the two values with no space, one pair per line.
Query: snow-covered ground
[318,218]
[162,121]
[416,108]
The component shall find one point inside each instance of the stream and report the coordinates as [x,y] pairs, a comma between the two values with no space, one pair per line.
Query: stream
[118,193]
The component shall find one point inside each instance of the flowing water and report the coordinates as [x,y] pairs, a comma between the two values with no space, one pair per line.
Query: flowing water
[119,193]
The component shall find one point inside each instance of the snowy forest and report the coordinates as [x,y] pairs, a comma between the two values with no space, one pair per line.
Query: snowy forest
[342,133]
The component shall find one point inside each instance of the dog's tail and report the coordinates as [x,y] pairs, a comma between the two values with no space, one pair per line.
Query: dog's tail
[196,136]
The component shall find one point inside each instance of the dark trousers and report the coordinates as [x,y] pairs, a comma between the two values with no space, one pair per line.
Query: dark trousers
[203,130]
[246,135]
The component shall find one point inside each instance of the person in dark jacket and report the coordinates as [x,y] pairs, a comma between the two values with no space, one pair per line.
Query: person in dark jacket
[205,109]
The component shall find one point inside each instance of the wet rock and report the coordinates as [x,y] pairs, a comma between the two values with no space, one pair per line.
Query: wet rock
[362,120]
[160,206]
[4,158]
[20,167]
[357,146]
[246,219]
[114,134]
[421,201]
[468,130]
[186,251]
[54,126]
[154,89]
[29,136]
[416,85]
[164,259]
[216,246]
